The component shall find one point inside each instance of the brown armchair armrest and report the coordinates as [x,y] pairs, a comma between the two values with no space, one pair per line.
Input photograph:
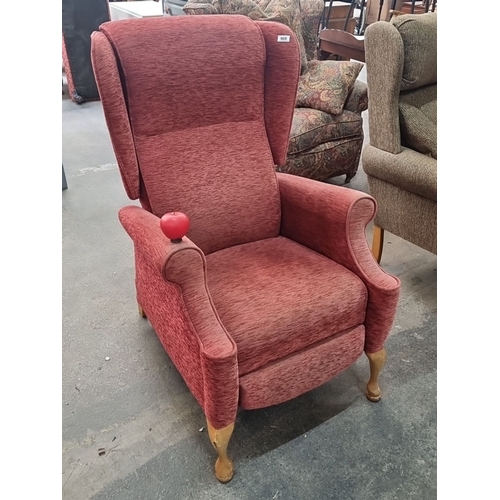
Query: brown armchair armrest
[331,220]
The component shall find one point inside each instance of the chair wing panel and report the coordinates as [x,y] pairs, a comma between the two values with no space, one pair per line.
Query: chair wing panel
[115,111]
[281,81]
[384,53]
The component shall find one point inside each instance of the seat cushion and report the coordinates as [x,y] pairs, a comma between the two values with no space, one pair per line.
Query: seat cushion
[276,297]
[311,127]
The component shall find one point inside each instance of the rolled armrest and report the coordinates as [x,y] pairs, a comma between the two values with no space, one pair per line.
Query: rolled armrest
[331,220]
[183,264]
[357,100]
[409,170]
[144,229]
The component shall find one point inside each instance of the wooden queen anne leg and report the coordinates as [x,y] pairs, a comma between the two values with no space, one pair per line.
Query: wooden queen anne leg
[377,361]
[377,243]
[220,439]
[141,311]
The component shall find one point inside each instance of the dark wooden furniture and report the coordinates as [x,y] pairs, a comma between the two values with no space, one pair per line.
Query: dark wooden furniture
[415,7]
[341,44]
[338,15]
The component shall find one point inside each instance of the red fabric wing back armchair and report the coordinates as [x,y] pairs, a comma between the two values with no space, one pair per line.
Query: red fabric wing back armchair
[274,289]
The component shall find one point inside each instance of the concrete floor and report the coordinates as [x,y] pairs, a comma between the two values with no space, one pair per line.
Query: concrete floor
[331,443]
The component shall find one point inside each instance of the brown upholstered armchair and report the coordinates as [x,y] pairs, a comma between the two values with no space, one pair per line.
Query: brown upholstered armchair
[274,289]
[401,159]
[322,144]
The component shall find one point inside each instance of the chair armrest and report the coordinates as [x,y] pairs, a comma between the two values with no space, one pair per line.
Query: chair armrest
[144,229]
[408,170]
[183,265]
[332,220]
[357,100]
[384,55]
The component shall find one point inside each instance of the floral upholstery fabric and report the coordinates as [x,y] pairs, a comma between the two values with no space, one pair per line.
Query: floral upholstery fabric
[325,85]
[322,144]
[314,127]
[329,159]
[357,100]
[301,17]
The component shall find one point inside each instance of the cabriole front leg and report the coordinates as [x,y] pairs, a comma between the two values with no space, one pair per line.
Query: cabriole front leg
[220,439]
[377,361]
[377,243]
[141,310]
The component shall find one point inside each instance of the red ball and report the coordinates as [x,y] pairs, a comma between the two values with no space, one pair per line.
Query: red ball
[174,225]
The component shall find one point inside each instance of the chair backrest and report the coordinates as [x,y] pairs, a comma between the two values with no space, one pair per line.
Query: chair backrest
[401,65]
[199,111]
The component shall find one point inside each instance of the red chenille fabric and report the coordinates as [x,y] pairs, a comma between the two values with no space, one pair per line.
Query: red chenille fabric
[305,370]
[200,121]
[273,291]
[276,297]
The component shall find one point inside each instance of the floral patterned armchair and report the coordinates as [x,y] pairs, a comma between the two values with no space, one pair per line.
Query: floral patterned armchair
[324,142]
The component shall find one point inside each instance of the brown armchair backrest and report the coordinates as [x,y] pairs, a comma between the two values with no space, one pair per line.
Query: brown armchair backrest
[401,60]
